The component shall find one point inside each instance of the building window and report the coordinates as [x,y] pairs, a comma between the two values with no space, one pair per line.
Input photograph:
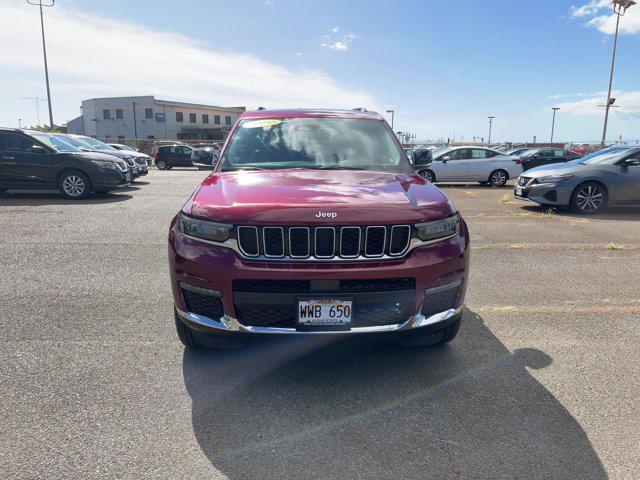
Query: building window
[119,113]
[216,119]
[151,137]
[205,118]
[183,136]
[227,120]
[148,113]
[192,118]
[179,117]
[120,138]
[107,137]
[106,114]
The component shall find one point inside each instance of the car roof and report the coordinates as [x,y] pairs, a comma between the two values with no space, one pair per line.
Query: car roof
[312,113]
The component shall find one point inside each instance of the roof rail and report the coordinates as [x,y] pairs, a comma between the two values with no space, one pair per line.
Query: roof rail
[359,109]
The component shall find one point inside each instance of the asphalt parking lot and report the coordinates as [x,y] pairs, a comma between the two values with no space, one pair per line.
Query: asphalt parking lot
[541,382]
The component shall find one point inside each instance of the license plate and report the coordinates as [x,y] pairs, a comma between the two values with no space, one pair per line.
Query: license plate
[519,191]
[322,312]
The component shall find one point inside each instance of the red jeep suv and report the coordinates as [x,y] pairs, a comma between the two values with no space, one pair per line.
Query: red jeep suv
[314,222]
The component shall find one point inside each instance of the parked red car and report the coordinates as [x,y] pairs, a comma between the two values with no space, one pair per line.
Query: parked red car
[314,222]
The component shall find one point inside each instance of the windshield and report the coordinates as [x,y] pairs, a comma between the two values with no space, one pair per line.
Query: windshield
[57,144]
[313,143]
[75,142]
[606,151]
[530,153]
[608,156]
[97,144]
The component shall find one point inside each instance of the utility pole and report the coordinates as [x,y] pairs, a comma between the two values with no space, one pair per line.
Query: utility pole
[392,112]
[37,100]
[48,3]
[619,8]
[553,122]
[490,117]
[19,123]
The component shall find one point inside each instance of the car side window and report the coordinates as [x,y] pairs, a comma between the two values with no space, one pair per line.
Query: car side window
[15,143]
[185,150]
[490,153]
[558,153]
[172,150]
[546,153]
[478,154]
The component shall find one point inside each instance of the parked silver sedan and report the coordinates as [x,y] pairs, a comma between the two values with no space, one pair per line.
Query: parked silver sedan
[472,164]
[589,184]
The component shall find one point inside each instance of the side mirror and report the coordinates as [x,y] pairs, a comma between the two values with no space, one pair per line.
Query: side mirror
[445,159]
[632,162]
[422,158]
[38,149]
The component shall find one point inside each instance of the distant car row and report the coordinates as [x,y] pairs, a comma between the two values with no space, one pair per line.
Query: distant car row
[484,165]
[74,164]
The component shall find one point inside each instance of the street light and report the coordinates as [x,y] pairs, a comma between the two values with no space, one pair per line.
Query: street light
[48,3]
[392,112]
[553,122]
[619,8]
[490,124]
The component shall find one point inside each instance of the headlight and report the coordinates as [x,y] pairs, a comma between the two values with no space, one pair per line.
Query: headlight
[105,165]
[439,229]
[554,178]
[218,232]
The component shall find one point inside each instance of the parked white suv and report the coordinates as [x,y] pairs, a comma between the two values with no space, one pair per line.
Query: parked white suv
[473,164]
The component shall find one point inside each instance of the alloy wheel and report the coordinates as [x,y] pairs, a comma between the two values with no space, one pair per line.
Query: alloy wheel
[427,175]
[590,198]
[74,186]
[498,179]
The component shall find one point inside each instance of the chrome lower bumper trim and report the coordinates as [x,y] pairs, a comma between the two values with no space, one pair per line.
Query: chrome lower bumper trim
[230,324]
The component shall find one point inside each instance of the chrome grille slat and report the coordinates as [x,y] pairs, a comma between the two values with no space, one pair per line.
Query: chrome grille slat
[321,243]
[372,245]
[320,232]
[400,237]
[274,244]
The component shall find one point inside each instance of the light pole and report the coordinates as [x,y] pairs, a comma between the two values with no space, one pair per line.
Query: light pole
[48,3]
[135,123]
[619,8]
[37,100]
[392,112]
[490,124]
[19,123]
[553,122]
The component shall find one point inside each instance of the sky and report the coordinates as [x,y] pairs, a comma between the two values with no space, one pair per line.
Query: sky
[443,67]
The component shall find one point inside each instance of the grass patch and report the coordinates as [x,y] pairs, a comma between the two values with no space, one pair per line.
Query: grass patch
[613,246]
[522,214]
[505,198]
[547,213]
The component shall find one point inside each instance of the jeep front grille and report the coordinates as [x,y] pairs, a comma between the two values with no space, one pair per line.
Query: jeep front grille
[322,243]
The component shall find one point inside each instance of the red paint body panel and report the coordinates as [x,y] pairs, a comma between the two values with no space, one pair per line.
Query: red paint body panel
[293,197]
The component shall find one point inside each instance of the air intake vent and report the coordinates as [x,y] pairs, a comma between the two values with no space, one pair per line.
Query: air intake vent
[375,238]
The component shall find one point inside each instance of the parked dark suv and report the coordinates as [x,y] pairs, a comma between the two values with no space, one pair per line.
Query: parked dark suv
[169,156]
[31,159]
[314,222]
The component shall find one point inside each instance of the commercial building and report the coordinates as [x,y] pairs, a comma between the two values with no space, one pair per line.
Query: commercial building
[120,118]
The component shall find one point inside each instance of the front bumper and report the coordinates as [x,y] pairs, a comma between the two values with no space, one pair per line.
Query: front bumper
[423,304]
[555,194]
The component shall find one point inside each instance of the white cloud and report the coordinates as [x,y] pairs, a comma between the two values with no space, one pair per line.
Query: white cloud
[339,45]
[269,3]
[599,14]
[628,105]
[91,56]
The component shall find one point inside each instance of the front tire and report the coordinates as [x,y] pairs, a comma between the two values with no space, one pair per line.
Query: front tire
[74,185]
[589,198]
[161,164]
[498,178]
[428,175]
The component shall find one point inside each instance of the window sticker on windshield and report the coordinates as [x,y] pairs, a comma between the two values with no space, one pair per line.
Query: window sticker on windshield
[267,123]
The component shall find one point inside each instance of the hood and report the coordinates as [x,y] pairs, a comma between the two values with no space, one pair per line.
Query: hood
[317,197]
[96,156]
[555,169]
[116,153]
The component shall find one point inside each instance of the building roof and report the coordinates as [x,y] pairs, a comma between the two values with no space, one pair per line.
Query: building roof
[310,113]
